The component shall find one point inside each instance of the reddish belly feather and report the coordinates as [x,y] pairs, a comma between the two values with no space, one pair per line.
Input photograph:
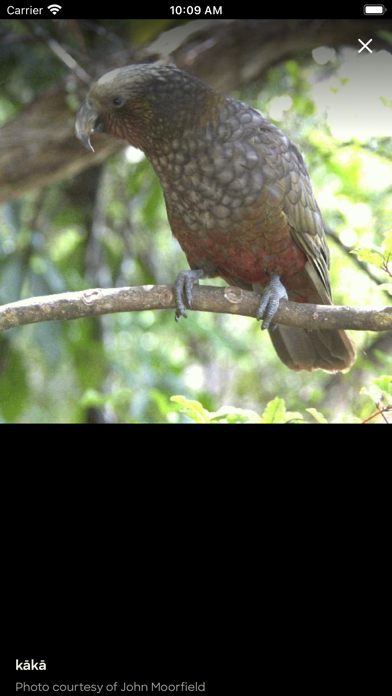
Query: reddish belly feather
[251,262]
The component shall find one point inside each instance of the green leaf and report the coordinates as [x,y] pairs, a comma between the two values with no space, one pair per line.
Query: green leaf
[387,243]
[231,414]
[192,409]
[384,382]
[385,286]
[317,415]
[226,414]
[373,392]
[294,416]
[275,411]
[375,258]
[380,390]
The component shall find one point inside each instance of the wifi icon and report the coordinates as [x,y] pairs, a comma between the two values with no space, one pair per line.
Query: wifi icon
[54,8]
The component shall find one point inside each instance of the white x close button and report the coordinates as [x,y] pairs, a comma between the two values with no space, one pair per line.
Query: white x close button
[365,45]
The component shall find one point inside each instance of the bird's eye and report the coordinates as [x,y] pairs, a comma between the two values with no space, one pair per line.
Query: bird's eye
[117,101]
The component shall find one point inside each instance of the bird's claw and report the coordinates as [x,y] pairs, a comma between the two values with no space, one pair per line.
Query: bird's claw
[184,285]
[269,303]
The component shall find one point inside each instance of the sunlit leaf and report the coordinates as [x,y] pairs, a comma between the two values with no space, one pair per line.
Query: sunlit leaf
[192,409]
[385,286]
[385,385]
[317,415]
[380,390]
[230,414]
[387,244]
[275,411]
[375,258]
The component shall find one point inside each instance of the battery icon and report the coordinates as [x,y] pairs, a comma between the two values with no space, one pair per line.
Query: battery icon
[374,9]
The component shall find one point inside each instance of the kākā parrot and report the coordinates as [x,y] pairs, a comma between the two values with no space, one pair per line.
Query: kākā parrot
[238,197]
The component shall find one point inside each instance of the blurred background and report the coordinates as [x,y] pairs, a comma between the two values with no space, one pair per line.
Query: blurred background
[70,220]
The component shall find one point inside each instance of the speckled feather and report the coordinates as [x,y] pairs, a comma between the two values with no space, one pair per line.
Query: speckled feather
[238,194]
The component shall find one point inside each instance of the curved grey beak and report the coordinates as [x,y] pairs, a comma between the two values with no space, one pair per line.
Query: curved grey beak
[86,124]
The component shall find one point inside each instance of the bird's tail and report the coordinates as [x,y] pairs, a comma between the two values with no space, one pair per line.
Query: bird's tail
[300,349]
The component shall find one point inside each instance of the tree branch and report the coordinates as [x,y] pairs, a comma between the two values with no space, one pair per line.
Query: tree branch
[38,147]
[228,300]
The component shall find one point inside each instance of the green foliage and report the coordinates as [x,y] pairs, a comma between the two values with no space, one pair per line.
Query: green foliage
[227,414]
[13,385]
[317,415]
[381,259]
[379,391]
[274,412]
[375,258]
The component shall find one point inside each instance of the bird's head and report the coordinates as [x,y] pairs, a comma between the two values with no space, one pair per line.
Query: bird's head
[141,104]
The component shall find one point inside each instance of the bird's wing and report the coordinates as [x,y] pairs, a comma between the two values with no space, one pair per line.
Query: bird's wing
[299,204]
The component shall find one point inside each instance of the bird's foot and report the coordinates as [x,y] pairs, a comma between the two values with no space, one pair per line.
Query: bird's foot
[184,285]
[269,303]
